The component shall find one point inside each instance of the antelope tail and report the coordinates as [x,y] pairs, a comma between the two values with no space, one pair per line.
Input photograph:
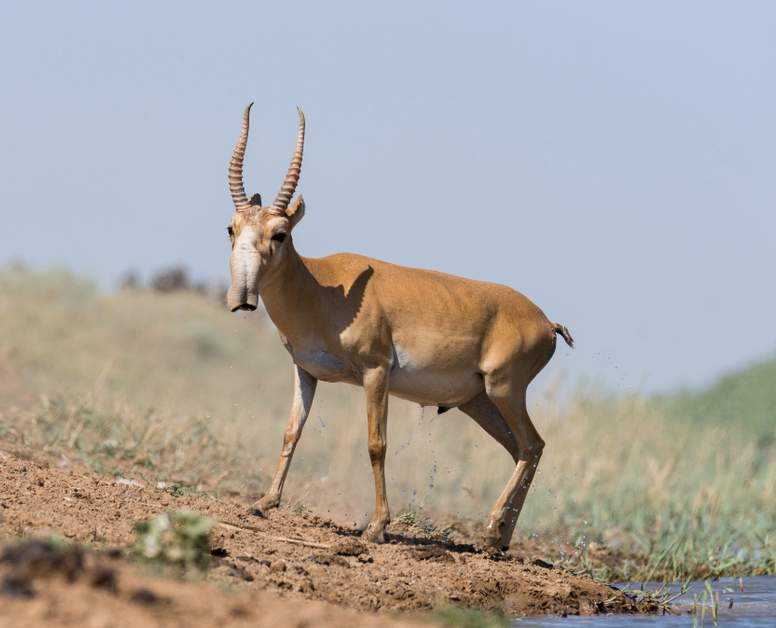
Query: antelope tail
[560,329]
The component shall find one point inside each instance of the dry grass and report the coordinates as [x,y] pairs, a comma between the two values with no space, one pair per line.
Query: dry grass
[173,388]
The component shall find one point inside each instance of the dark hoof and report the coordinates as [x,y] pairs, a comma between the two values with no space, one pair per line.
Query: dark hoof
[257,512]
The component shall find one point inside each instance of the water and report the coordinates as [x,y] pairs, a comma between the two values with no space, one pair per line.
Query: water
[754,607]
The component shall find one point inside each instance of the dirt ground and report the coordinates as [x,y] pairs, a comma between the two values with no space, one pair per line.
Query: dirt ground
[109,593]
[293,566]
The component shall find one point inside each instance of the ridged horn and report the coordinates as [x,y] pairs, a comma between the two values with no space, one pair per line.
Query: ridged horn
[236,188]
[294,169]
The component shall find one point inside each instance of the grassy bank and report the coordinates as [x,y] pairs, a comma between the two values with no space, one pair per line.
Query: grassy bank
[172,388]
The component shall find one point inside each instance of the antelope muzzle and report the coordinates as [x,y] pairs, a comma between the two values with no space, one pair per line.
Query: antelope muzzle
[243,292]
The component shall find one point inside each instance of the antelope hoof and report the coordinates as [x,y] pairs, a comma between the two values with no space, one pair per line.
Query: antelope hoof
[375,532]
[494,543]
[493,537]
[260,508]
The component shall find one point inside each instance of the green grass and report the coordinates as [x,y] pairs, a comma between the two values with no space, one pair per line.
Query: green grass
[746,397]
[174,389]
[678,498]
[464,617]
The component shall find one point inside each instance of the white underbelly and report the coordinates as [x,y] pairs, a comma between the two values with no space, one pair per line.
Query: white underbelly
[429,387]
[425,385]
[325,366]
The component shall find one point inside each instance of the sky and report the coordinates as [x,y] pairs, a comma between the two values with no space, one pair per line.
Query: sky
[614,161]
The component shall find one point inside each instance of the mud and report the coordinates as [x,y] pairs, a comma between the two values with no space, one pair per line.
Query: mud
[260,564]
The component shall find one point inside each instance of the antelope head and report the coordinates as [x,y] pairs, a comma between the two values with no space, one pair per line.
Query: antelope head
[260,235]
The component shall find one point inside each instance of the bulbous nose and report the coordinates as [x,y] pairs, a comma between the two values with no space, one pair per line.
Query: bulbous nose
[250,303]
[242,300]
[244,265]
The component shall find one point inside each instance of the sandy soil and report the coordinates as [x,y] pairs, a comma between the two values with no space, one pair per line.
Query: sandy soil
[295,566]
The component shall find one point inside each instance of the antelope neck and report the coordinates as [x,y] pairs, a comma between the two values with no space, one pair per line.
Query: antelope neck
[289,291]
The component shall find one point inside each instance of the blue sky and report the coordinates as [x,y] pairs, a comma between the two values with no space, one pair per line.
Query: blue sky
[612,160]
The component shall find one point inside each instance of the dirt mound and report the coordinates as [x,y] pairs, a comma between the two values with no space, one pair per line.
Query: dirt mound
[45,585]
[298,556]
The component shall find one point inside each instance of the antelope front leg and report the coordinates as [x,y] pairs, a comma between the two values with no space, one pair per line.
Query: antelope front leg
[304,391]
[376,388]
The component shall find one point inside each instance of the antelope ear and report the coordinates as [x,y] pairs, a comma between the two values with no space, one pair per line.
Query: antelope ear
[295,212]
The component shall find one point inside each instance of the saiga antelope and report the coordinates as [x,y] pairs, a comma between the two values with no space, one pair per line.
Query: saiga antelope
[432,338]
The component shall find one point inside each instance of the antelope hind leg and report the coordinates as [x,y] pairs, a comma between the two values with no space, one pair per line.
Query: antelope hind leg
[509,399]
[487,416]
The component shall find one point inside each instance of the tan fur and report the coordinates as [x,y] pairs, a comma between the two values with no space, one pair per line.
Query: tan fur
[432,338]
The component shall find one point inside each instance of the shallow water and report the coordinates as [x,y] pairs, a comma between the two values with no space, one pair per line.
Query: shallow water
[755,606]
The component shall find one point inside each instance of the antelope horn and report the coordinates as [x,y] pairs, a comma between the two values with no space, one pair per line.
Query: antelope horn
[294,169]
[236,188]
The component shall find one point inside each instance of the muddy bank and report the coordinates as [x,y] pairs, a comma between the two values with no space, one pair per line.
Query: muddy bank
[291,555]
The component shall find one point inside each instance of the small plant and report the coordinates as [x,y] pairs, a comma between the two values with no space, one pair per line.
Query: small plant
[178,539]
[300,509]
[661,598]
[408,518]
[176,490]
[709,600]
[414,519]
[464,617]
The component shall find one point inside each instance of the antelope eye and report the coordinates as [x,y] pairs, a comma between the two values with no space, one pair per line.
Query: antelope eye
[279,236]
[230,231]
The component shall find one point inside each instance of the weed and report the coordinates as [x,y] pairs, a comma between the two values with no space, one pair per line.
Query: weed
[178,539]
[707,601]
[408,518]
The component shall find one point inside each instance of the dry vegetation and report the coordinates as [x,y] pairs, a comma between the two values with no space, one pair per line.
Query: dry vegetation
[171,388]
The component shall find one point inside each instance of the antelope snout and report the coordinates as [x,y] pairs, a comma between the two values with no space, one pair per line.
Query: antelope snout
[249,307]
[244,266]
[242,300]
